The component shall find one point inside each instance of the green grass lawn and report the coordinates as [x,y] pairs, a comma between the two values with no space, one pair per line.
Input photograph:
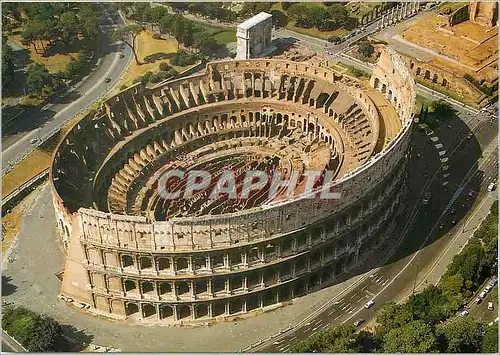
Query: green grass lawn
[223,35]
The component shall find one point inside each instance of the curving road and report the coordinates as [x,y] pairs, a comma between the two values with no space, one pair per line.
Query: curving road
[88,91]
[395,280]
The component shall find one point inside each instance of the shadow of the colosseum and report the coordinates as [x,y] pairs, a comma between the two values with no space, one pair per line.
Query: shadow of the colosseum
[454,190]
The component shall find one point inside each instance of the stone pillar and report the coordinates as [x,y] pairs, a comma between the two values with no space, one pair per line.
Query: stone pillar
[210,288]
[245,284]
[209,262]
[157,308]
[174,290]
[244,259]
[174,311]
[191,289]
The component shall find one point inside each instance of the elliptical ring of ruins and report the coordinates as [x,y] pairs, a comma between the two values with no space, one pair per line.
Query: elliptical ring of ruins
[135,256]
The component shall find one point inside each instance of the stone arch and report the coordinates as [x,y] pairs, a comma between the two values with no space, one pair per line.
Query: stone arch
[131,308]
[384,88]
[419,70]
[129,285]
[444,82]
[389,95]
[127,261]
[166,312]
[183,311]
[148,310]
[376,83]
[435,78]
[427,74]
[412,65]
[201,310]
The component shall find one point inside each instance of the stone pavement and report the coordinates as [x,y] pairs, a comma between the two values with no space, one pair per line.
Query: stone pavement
[38,256]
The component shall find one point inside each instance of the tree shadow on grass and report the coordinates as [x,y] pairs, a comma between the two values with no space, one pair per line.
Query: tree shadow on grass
[158,56]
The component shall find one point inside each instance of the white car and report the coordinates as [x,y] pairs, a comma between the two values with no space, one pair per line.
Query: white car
[491,186]
[369,304]
[490,306]
[483,294]
[488,288]
[33,141]
[464,313]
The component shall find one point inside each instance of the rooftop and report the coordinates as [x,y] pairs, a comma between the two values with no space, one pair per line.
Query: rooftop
[254,20]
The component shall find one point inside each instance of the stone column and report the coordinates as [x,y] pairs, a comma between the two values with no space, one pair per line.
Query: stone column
[191,289]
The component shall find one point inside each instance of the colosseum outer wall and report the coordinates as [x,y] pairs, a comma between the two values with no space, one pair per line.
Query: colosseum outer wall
[99,240]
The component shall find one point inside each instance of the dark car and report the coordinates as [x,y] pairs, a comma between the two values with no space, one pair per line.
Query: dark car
[122,55]
[107,80]
[359,322]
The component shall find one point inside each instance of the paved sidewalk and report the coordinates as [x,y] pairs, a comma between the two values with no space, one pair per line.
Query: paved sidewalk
[38,257]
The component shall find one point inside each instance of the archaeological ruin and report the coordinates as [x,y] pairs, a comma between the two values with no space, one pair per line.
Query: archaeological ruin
[134,256]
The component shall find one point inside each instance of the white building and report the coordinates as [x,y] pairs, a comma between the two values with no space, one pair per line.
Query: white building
[254,36]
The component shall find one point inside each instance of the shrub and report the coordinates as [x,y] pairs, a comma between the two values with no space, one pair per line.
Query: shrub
[157,36]
[183,58]
[165,67]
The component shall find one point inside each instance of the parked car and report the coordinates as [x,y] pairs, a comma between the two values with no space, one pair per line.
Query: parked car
[107,80]
[478,300]
[464,314]
[34,140]
[494,281]
[359,322]
[490,306]
[369,304]
[483,294]
[491,186]
[488,288]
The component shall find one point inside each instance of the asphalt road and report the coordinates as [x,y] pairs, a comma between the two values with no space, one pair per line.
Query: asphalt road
[38,123]
[434,225]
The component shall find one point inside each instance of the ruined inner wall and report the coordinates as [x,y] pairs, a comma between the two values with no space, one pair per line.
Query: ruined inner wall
[218,265]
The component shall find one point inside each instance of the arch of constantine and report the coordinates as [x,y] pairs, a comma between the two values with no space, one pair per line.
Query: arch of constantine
[133,255]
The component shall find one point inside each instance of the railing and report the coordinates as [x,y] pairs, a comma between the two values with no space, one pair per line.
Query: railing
[24,186]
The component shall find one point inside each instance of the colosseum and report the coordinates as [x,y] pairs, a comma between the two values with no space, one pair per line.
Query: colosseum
[133,255]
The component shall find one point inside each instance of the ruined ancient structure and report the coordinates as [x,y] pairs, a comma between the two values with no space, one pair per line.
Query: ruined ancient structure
[254,36]
[398,13]
[133,255]
[480,12]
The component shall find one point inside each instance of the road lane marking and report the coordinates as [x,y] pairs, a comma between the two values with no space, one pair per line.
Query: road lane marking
[332,312]
[365,286]
[338,317]
[354,296]
[360,299]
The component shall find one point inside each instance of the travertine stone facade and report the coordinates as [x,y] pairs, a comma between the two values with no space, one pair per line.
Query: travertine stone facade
[133,256]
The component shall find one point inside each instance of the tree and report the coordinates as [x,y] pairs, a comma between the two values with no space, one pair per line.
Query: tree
[35,332]
[366,49]
[89,21]
[188,34]
[393,316]
[32,33]
[37,77]
[490,339]
[69,27]
[341,339]
[165,24]
[463,335]
[279,18]
[8,67]
[339,16]
[413,337]
[128,34]
[178,28]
